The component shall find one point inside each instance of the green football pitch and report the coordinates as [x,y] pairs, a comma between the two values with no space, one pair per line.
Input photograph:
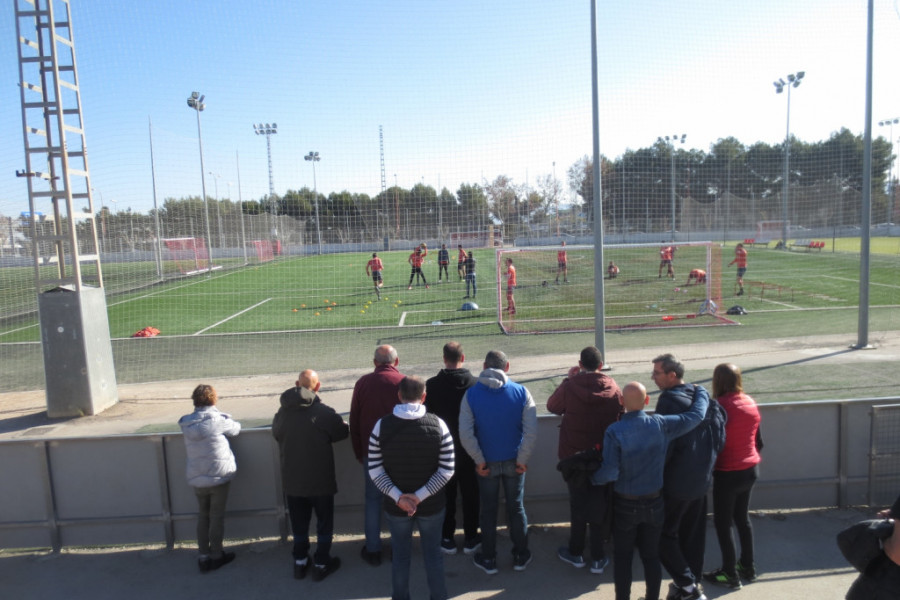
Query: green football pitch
[261,318]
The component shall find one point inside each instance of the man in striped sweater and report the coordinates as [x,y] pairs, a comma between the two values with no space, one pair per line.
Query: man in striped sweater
[411,460]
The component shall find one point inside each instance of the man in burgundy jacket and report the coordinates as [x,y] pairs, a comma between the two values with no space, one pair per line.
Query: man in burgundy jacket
[589,402]
[374,396]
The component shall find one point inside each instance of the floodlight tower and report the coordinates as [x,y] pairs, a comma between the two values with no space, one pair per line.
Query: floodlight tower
[890,123]
[793,81]
[314,157]
[670,144]
[268,131]
[195,101]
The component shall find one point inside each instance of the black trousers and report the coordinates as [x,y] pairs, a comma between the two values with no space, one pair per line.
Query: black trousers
[683,540]
[465,482]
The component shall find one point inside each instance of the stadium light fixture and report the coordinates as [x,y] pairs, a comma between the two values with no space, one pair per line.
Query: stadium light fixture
[195,101]
[794,80]
[269,130]
[670,144]
[890,123]
[314,157]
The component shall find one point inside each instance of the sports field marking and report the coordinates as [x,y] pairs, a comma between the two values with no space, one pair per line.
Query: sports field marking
[171,289]
[237,314]
[402,319]
[887,285]
[19,329]
[785,304]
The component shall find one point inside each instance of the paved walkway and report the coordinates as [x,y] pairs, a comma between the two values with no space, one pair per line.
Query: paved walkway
[796,557]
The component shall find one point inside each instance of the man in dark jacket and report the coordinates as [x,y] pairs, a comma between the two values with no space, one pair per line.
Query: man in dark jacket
[444,393]
[410,461]
[589,402]
[688,475]
[374,396]
[305,429]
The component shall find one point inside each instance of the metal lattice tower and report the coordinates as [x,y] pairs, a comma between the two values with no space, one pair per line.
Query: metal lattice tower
[56,162]
[75,340]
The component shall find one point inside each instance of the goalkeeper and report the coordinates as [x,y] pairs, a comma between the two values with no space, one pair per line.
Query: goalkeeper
[443,262]
[470,275]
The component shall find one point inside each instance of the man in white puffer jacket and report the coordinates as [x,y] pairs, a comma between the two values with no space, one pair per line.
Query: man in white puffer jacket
[210,469]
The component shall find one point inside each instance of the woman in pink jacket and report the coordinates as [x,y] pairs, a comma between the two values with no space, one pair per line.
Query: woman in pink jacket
[735,473]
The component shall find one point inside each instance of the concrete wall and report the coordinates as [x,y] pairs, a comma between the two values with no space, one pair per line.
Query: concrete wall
[132,489]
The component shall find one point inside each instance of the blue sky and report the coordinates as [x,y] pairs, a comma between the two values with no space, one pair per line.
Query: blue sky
[465,90]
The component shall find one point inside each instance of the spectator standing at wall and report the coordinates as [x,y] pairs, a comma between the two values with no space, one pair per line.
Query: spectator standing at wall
[410,461]
[735,474]
[374,396]
[444,394]
[688,476]
[498,428]
[210,468]
[634,455]
[305,429]
[589,402]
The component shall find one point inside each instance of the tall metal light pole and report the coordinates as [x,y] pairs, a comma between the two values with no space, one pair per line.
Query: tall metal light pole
[793,81]
[195,101]
[218,208]
[670,144]
[268,131]
[890,212]
[314,157]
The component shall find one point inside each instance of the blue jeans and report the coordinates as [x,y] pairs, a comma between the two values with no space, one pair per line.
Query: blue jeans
[401,543]
[503,474]
[470,278]
[374,499]
[301,509]
[637,523]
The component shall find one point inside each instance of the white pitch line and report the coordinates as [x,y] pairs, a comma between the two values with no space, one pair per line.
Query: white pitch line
[402,319]
[896,287]
[19,329]
[237,314]
[780,303]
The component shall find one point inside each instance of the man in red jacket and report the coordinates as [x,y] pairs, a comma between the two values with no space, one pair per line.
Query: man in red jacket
[589,402]
[374,396]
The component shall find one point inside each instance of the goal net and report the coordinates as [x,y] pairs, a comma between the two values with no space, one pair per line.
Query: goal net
[555,292]
[260,251]
[188,255]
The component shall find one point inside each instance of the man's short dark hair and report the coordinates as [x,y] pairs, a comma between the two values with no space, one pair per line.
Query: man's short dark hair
[591,358]
[411,388]
[453,352]
[669,364]
[495,359]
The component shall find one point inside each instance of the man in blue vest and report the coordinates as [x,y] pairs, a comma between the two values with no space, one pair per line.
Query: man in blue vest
[498,428]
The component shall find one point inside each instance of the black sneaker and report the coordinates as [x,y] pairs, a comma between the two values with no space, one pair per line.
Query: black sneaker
[748,574]
[203,564]
[215,563]
[521,561]
[320,572]
[564,555]
[472,545]
[488,565]
[448,546]
[301,569]
[373,558]
[720,577]
[677,593]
